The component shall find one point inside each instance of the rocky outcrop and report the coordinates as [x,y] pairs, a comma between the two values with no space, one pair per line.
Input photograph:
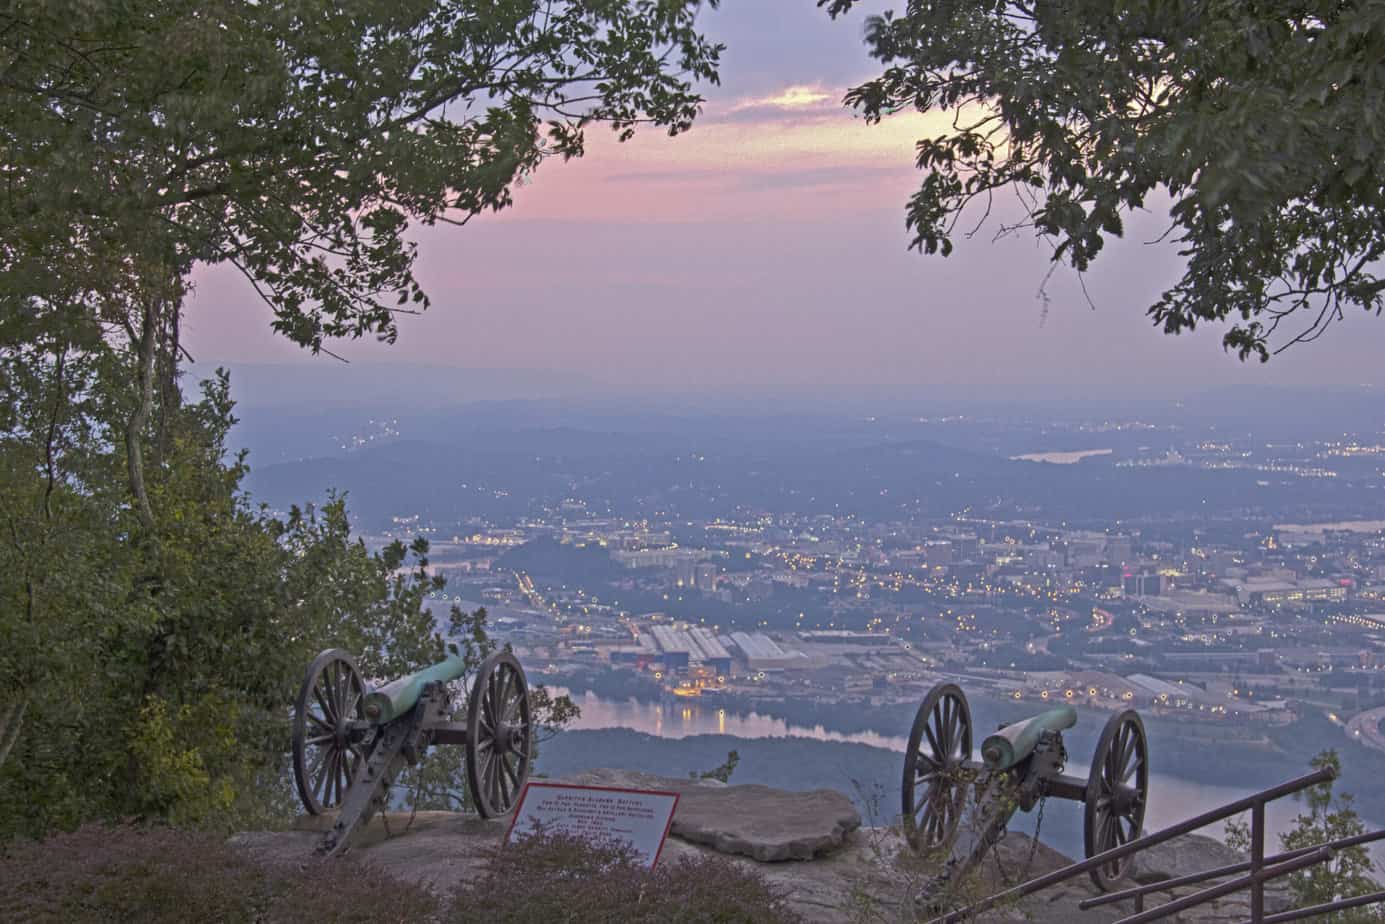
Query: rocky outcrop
[769,825]
[808,846]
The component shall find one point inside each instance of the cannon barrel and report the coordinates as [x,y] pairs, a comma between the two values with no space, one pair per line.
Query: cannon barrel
[397,697]
[1015,742]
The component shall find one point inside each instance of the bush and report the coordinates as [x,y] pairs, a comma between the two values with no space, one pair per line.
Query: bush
[547,879]
[162,876]
[158,875]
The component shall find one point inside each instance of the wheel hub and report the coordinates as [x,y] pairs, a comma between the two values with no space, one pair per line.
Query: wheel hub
[1124,799]
[508,739]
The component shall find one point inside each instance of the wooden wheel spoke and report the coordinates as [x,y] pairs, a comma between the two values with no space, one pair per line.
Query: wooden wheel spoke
[514,709]
[348,771]
[351,702]
[937,754]
[339,687]
[495,781]
[954,728]
[503,678]
[318,775]
[331,682]
[1133,768]
[1127,752]
[338,760]
[327,712]
[510,778]
[488,713]
[329,779]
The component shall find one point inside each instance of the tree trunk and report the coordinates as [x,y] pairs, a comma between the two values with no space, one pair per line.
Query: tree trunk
[11,719]
[51,440]
[169,397]
[134,431]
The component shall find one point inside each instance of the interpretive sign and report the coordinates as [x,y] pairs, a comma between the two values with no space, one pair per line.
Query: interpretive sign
[636,818]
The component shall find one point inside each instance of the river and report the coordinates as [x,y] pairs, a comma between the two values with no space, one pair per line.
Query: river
[1061,458]
[1171,798]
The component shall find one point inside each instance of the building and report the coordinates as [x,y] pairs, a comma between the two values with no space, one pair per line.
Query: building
[1280,593]
[1119,551]
[763,653]
[711,651]
[937,553]
[1143,585]
[675,647]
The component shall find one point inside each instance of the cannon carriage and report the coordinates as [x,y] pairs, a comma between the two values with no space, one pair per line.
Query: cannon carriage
[350,742]
[958,807]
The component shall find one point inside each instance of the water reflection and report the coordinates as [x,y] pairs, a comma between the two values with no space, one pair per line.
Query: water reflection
[686,719]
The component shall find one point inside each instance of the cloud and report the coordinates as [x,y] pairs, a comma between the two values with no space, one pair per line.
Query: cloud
[791,99]
[792,153]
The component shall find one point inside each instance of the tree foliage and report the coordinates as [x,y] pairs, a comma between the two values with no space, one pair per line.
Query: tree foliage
[155,676]
[148,674]
[1262,123]
[154,623]
[1325,818]
[297,140]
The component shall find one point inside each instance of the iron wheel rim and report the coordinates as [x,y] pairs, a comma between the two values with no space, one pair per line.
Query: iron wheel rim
[500,735]
[326,751]
[1117,793]
[934,785]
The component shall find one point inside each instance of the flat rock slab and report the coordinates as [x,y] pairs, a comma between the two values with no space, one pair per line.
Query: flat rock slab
[765,824]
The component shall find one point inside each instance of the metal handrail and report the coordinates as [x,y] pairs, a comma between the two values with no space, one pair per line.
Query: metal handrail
[1164,885]
[1324,908]
[1257,801]
[1255,879]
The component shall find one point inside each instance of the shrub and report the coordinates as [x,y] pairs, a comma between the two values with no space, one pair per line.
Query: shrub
[548,879]
[158,875]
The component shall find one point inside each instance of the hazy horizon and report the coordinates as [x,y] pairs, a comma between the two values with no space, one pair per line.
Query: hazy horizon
[766,247]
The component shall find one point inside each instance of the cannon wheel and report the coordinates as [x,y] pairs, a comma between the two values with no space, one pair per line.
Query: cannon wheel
[500,735]
[935,787]
[1117,791]
[326,753]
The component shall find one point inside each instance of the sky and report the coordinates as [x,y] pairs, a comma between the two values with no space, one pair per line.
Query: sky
[766,247]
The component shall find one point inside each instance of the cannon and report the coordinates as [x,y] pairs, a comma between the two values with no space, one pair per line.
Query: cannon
[1020,765]
[350,742]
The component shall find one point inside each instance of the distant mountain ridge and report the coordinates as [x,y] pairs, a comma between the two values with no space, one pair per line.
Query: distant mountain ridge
[506,474]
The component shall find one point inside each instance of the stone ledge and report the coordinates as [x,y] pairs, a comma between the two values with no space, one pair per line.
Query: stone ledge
[765,824]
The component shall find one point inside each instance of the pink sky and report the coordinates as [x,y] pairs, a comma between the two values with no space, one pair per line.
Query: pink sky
[767,246]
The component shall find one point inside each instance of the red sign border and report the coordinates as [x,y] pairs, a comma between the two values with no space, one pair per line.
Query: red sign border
[514,815]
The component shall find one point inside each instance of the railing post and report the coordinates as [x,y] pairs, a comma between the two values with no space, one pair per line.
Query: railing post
[1257,863]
